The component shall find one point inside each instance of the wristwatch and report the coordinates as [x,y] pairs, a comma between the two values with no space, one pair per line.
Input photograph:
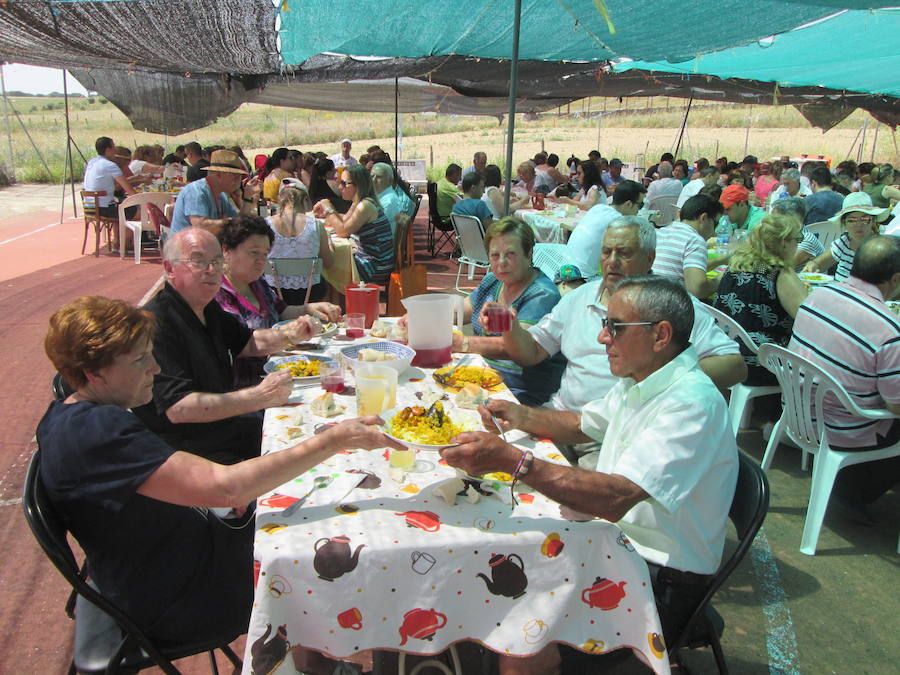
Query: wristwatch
[465,344]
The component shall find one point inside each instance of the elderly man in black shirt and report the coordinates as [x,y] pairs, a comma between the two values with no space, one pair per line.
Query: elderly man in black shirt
[194,406]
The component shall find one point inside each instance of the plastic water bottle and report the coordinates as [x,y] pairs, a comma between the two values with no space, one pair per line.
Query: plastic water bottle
[722,243]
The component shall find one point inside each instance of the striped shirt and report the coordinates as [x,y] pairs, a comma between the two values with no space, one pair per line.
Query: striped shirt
[678,247]
[847,329]
[843,255]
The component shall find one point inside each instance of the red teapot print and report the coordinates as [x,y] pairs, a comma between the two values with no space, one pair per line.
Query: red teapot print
[278,501]
[424,520]
[604,594]
[421,624]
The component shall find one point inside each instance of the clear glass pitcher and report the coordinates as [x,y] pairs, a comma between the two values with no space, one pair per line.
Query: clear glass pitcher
[430,320]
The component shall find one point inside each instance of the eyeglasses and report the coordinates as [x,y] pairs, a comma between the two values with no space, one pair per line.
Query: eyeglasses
[613,326]
[346,184]
[858,220]
[201,265]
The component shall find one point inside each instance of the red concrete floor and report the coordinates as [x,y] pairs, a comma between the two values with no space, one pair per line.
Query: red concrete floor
[40,269]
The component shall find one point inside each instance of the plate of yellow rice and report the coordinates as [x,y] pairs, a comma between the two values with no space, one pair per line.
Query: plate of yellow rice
[432,428]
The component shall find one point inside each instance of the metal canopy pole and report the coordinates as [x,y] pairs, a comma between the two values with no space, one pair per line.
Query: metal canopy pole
[683,125]
[69,163]
[396,118]
[6,107]
[513,92]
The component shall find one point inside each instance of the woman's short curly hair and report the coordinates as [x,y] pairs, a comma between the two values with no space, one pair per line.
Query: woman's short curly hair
[512,226]
[89,332]
[238,229]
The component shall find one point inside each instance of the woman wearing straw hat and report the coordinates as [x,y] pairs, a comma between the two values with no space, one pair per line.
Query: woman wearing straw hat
[859,219]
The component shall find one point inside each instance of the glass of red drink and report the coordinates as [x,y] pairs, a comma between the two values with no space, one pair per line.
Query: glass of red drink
[332,376]
[356,325]
[499,318]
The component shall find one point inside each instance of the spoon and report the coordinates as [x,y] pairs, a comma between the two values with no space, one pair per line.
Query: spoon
[319,482]
[447,378]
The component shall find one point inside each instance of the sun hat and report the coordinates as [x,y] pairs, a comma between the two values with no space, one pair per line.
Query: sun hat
[734,194]
[225,161]
[568,273]
[346,140]
[861,202]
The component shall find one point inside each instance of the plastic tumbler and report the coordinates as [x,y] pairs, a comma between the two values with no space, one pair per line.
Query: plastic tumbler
[499,318]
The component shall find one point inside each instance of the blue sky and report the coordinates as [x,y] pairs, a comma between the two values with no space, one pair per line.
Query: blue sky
[35,80]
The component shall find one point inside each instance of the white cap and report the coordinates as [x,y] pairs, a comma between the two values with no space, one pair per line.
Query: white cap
[346,140]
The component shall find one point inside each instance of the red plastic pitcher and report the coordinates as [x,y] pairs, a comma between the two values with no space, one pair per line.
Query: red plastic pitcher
[363,298]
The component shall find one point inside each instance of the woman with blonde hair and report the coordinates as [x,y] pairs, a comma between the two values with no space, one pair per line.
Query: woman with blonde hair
[299,235]
[760,289]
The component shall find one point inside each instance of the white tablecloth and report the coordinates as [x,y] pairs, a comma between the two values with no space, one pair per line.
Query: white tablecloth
[548,227]
[390,565]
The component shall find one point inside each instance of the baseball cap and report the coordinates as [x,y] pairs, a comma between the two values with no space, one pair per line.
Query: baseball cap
[345,140]
[733,194]
[615,161]
[568,273]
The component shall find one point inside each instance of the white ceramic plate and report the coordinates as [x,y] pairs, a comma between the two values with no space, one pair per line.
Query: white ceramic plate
[272,364]
[328,328]
[461,417]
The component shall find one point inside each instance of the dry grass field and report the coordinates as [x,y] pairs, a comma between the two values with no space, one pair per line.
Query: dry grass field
[637,132]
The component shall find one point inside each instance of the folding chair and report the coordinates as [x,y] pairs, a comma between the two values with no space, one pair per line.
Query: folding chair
[825,231]
[742,395]
[748,510]
[804,386]
[106,639]
[440,232]
[470,235]
[294,267]
[667,207]
[93,218]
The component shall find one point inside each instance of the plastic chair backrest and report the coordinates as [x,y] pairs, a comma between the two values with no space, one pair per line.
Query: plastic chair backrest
[548,258]
[667,207]
[825,231]
[144,200]
[732,328]
[295,267]
[158,218]
[470,235]
[747,512]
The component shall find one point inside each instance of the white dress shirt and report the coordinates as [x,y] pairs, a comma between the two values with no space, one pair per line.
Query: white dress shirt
[572,327]
[670,435]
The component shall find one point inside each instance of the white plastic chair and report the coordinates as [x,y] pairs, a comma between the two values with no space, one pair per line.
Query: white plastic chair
[667,207]
[161,199]
[825,231]
[548,258]
[294,267]
[470,236]
[804,386]
[740,401]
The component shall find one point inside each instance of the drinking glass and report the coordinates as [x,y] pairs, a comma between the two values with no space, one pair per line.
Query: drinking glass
[356,325]
[376,389]
[332,376]
[499,318]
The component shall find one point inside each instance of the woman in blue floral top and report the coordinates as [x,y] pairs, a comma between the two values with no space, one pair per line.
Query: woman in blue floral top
[246,241]
[514,282]
[761,291]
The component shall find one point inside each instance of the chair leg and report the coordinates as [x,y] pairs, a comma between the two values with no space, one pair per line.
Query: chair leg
[718,653]
[738,407]
[458,274]
[213,666]
[87,228]
[229,652]
[825,470]
[774,440]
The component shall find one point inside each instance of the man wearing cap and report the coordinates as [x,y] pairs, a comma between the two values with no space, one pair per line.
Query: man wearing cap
[612,177]
[739,212]
[705,177]
[206,203]
[568,278]
[343,158]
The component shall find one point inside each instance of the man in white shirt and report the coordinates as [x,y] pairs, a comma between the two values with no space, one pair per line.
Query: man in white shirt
[343,158]
[705,178]
[586,240]
[479,161]
[665,185]
[103,174]
[668,467]
[629,248]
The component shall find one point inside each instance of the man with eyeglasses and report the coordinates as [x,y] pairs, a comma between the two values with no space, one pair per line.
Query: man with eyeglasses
[195,406]
[207,203]
[668,467]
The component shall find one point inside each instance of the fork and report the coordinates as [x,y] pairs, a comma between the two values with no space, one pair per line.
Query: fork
[445,378]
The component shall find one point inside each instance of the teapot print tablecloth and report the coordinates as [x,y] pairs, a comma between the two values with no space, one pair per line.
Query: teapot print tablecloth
[391,565]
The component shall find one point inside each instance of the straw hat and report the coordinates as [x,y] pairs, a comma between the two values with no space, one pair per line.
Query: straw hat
[225,161]
[861,202]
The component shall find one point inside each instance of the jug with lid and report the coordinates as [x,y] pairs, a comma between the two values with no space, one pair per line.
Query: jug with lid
[430,325]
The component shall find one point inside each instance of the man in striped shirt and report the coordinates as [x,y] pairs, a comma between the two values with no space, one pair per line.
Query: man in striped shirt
[681,252]
[847,329]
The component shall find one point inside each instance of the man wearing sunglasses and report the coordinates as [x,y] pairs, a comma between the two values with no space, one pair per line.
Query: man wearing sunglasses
[668,466]
[195,406]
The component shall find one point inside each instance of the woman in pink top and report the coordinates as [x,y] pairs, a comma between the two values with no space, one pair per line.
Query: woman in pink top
[766,181]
